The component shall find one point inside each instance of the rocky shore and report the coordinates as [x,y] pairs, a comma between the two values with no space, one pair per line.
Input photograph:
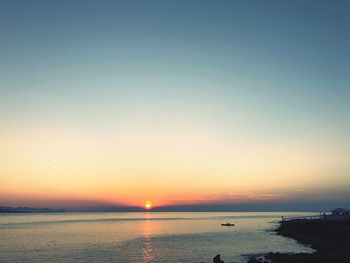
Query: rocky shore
[330,237]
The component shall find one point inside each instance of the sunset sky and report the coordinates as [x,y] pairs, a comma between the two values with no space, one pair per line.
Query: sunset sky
[174,102]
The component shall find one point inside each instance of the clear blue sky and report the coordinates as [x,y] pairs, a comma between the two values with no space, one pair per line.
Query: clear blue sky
[260,72]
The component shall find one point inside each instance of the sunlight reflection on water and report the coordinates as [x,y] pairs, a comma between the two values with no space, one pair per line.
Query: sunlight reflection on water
[148,255]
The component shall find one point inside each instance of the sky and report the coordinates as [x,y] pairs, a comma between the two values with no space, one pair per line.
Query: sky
[180,103]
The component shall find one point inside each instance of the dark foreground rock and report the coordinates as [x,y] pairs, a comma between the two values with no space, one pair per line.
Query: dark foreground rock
[330,239]
[302,258]
[217,259]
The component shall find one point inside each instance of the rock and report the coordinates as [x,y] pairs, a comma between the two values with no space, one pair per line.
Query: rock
[217,259]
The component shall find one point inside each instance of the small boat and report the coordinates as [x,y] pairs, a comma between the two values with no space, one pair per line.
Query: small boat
[228,224]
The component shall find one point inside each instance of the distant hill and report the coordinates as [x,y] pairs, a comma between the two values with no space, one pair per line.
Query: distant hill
[6,209]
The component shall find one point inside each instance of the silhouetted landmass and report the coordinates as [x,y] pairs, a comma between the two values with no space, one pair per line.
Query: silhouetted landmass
[263,206]
[109,208]
[330,239]
[5,209]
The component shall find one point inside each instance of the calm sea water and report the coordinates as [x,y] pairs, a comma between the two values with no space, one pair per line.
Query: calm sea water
[140,237]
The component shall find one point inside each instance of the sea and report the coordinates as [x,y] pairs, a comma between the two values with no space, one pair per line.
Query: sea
[141,237]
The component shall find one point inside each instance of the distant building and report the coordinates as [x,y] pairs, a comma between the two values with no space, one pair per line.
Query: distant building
[340,211]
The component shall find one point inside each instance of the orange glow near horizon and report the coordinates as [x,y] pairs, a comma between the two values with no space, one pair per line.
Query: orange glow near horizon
[148,205]
[54,165]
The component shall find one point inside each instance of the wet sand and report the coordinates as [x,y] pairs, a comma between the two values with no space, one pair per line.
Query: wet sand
[330,238]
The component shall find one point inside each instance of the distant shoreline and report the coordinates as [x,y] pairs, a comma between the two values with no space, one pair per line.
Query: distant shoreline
[128,209]
[26,210]
[330,238]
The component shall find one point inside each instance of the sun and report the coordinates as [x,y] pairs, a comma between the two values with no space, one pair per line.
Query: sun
[148,205]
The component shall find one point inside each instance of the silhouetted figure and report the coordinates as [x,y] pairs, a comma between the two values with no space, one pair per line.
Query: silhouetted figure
[217,259]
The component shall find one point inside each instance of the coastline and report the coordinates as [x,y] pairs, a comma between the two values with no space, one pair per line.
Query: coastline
[329,236]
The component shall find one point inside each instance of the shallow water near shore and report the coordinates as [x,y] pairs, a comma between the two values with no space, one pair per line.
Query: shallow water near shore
[141,237]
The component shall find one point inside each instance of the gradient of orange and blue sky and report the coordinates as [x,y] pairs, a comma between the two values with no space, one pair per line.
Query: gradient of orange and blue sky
[175,102]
